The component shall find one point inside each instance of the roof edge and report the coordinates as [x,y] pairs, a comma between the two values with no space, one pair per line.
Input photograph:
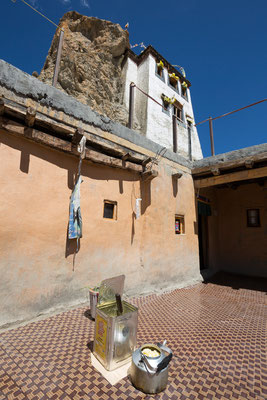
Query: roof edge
[27,86]
[151,50]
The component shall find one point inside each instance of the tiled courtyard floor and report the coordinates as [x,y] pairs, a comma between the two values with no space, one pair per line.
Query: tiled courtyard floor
[217,334]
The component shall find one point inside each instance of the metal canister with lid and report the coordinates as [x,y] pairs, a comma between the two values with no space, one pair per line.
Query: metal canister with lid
[149,368]
[115,325]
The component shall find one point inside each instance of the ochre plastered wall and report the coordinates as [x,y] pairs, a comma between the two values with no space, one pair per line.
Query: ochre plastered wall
[233,246]
[36,266]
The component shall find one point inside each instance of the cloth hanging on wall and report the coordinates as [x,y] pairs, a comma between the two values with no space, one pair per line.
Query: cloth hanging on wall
[137,208]
[75,218]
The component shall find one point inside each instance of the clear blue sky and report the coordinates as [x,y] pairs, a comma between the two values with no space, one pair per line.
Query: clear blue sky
[221,44]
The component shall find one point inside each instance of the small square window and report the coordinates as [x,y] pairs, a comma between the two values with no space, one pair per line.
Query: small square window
[179,225]
[110,209]
[253,218]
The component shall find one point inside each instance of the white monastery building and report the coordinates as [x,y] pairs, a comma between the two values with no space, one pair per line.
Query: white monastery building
[163,110]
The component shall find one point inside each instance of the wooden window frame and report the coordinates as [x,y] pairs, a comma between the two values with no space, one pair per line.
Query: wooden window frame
[180,112]
[160,75]
[160,71]
[178,106]
[115,209]
[181,219]
[173,84]
[184,92]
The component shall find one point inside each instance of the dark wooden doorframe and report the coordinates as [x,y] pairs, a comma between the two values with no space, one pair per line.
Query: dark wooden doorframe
[203,240]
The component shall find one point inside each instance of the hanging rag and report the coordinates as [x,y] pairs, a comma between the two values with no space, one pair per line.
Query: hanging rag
[75,218]
[137,208]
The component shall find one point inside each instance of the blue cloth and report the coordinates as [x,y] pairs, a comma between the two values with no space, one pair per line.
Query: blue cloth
[75,218]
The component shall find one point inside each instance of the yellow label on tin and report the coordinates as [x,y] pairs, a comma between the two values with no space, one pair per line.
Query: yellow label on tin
[101,336]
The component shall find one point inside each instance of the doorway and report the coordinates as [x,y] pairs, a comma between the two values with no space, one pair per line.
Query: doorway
[204,211]
[203,241]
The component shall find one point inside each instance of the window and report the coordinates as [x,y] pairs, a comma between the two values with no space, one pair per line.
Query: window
[166,102]
[174,84]
[179,225]
[253,218]
[173,81]
[165,105]
[159,71]
[110,209]
[184,90]
[178,111]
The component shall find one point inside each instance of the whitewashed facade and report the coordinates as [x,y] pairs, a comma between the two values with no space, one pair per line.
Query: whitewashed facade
[150,118]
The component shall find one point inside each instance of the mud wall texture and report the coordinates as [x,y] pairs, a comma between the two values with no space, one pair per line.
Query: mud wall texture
[233,245]
[37,267]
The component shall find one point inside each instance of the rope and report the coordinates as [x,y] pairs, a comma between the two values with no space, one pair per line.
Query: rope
[38,12]
[146,94]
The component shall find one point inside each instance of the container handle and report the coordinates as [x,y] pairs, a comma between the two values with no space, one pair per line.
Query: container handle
[163,364]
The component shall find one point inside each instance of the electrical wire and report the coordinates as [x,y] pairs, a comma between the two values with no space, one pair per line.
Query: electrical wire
[231,112]
[38,12]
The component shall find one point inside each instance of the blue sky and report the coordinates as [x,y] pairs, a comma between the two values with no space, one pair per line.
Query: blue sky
[221,44]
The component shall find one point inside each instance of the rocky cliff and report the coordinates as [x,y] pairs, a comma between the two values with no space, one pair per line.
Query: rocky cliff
[90,67]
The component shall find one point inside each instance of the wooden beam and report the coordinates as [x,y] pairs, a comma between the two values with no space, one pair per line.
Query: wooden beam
[177,175]
[67,129]
[125,156]
[215,171]
[146,161]
[99,158]
[77,137]
[249,163]
[149,175]
[230,164]
[232,177]
[63,145]
[30,117]
[11,126]
[2,106]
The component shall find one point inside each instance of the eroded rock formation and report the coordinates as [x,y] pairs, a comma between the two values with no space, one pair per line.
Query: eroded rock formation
[90,67]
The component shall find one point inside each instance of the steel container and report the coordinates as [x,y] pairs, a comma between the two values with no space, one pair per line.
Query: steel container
[150,374]
[115,335]
[93,302]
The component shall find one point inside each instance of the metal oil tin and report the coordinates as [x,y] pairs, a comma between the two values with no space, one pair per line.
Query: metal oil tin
[115,335]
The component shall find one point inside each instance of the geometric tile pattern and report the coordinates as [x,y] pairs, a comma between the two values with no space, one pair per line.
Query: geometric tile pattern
[217,334]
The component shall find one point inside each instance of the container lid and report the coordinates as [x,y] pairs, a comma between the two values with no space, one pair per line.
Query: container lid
[109,288]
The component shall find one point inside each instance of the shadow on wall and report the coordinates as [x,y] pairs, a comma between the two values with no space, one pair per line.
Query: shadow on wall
[72,246]
[175,186]
[70,164]
[145,192]
[133,229]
